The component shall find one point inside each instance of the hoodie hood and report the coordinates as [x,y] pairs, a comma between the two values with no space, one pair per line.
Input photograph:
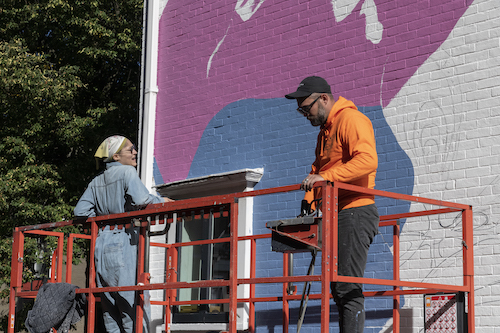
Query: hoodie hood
[339,105]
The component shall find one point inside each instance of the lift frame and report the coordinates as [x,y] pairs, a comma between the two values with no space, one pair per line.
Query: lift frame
[165,213]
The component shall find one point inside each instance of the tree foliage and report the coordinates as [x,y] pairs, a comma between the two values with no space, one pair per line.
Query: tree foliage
[69,77]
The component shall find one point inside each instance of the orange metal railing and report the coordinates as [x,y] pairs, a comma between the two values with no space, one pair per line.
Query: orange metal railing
[164,213]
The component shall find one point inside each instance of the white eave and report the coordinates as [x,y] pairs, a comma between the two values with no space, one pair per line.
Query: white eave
[215,184]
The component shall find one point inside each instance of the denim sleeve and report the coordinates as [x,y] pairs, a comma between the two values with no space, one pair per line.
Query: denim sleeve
[138,192]
[85,206]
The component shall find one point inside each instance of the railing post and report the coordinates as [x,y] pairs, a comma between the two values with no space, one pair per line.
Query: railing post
[396,276]
[16,276]
[69,258]
[60,254]
[92,279]
[170,294]
[142,278]
[233,267]
[253,260]
[286,307]
[468,257]
[53,266]
[329,227]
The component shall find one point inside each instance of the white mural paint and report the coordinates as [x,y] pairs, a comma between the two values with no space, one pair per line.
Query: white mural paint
[163,3]
[374,29]
[209,64]
[246,8]
[343,8]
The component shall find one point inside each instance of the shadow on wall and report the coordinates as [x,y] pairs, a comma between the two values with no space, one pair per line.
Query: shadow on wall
[312,319]
[269,133]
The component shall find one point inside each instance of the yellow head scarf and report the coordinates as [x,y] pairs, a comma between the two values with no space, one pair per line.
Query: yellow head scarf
[109,147]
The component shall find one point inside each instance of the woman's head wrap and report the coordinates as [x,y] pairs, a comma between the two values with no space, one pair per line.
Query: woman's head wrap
[110,146]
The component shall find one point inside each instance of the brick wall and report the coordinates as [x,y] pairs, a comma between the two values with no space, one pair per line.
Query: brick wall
[446,119]
[425,73]
[274,136]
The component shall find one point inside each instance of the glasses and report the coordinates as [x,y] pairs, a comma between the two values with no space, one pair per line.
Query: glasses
[304,110]
[131,149]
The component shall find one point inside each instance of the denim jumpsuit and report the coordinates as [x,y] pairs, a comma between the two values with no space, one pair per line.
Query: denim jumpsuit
[117,190]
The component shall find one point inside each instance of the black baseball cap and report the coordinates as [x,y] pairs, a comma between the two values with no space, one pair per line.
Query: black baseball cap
[311,84]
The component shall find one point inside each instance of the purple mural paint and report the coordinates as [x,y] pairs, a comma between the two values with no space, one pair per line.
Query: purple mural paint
[215,53]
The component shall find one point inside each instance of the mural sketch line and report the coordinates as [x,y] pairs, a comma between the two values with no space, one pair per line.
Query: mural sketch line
[209,63]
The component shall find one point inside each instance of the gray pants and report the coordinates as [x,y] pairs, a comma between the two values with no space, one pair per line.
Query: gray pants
[116,265]
[357,228]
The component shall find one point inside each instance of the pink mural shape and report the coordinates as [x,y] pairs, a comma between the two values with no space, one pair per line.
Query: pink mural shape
[214,53]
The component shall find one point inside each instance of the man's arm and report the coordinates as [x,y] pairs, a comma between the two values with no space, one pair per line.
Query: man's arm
[359,142]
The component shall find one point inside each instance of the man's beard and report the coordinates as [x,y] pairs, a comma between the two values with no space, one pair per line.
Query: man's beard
[320,118]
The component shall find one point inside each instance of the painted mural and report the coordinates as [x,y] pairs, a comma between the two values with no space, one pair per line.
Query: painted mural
[225,66]
[213,54]
[269,133]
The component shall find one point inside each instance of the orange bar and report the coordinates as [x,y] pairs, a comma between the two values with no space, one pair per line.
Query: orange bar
[329,257]
[15,276]
[92,284]
[468,254]
[253,260]
[399,196]
[396,276]
[171,294]
[141,278]
[16,273]
[69,258]
[233,268]
[286,309]
[60,253]
[53,266]
[45,233]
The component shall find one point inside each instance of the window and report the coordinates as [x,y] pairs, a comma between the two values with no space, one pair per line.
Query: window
[209,261]
[203,262]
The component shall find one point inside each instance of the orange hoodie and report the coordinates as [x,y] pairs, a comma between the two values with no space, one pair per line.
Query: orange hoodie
[345,152]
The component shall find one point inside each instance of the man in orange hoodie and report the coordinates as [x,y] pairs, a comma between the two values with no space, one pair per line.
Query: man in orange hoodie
[345,152]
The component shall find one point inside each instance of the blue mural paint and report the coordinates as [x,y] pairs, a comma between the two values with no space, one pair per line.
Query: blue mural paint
[156,173]
[269,134]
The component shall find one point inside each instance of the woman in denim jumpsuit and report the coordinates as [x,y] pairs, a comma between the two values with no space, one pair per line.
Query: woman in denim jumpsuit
[116,190]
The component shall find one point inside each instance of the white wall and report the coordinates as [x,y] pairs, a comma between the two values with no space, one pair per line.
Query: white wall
[447,120]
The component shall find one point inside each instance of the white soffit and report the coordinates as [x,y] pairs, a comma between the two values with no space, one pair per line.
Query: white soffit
[216,184]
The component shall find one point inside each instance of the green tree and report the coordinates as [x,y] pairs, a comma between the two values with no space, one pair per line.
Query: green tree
[69,77]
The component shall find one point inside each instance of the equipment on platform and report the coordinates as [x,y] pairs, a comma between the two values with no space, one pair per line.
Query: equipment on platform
[300,234]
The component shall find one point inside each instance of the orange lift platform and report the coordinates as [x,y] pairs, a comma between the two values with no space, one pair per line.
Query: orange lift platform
[313,233]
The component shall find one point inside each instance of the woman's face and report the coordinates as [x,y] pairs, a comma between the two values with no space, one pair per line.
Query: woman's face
[128,154]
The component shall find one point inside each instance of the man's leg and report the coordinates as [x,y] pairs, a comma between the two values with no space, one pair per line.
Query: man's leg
[357,227]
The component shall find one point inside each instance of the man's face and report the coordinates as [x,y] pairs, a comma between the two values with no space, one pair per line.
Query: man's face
[316,113]
[128,155]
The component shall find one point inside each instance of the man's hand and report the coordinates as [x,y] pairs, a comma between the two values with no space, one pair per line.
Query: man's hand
[168,199]
[308,183]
